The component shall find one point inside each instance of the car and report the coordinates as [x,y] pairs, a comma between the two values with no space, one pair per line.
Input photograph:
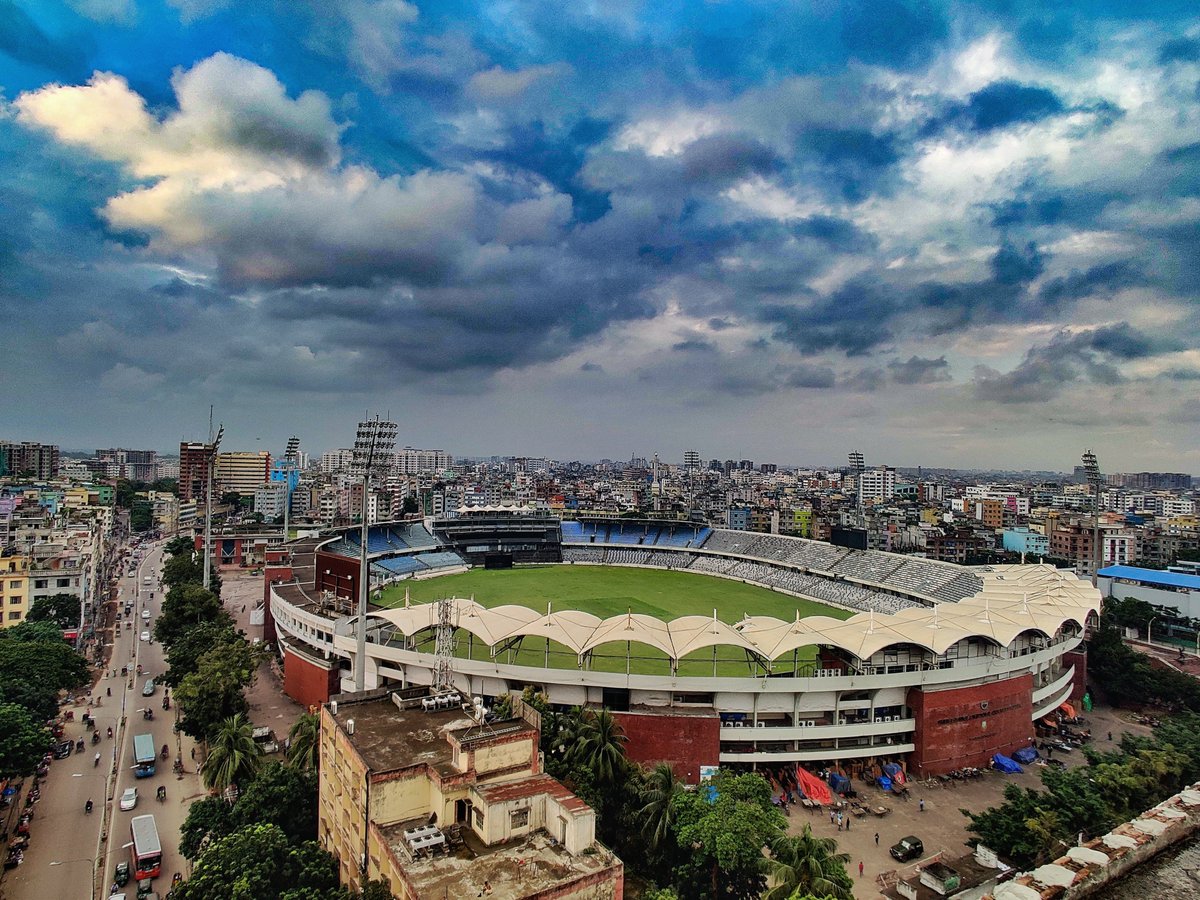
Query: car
[63,750]
[146,615]
[146,636]
[149,688]
[121,875]
[129,798]
[907,848]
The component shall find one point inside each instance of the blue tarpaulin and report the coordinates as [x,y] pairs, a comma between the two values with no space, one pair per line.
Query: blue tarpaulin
[839,783]
[885,783]
[1026,755]
[1006,765]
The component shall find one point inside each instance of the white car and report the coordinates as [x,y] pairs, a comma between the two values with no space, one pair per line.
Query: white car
[146,636]
[129,798]
[146,615]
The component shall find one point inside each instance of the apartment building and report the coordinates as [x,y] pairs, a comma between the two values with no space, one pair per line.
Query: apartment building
[14,589]
[242,472]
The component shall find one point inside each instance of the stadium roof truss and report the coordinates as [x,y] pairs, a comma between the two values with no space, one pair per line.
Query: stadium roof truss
[1013,600]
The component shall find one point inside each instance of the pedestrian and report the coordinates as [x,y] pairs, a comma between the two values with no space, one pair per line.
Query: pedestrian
[193,753]
[877,839]
[832,817]
[847,823]
[1110,735]
[922,804]
[860,869]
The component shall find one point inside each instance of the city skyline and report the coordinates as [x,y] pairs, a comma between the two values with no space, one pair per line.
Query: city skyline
[942,234]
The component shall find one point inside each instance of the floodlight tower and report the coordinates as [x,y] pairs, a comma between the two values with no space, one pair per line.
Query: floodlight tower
[1091,470]
[373,445]
[211,454]
[857,465]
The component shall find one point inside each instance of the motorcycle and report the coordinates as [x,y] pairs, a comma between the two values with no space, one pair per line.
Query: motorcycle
[110,731]
[87,808]
[96,761]
[161,793]
[148,713]
[166,751]
[79,745]
[95,737]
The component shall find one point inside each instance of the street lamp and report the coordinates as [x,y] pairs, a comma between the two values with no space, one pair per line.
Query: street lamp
[373,445]
[1150,631]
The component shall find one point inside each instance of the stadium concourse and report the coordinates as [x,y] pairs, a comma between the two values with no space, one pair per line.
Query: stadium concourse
[939,666]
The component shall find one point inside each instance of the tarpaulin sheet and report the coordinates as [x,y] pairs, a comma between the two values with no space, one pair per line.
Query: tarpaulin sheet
[1026,755]
[813,787]
[894,772]
[1004,764]
[839,783]
[1068,710]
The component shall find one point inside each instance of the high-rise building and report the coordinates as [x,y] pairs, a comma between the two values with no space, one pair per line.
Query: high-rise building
[336,461]
[136,465]
[691,460]
[410,461]
[878,484]
[39,461]
[194,457]
[242,472]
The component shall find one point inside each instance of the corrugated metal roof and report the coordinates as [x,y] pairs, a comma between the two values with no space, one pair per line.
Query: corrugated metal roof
[1152,576]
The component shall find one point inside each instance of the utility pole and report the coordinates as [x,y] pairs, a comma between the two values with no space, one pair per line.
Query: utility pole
[212,461]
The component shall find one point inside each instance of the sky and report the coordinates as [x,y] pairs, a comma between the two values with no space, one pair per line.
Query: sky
[952,234]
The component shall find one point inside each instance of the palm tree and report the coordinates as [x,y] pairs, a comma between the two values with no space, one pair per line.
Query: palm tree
[807,864]
[304,742]
[600,746]
[233,755]
[657,814]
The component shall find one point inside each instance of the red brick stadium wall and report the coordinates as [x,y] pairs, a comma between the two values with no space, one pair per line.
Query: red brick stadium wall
[966,726]
[1078,659]
[308,682]
[687,742]
[272,574]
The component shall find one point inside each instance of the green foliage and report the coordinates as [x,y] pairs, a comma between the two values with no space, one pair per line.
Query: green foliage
[657,813]
[258,861]
[376,890]
[61,609]
[805,862]
[660,894]
[184,651]
[141,516]
[177,546]
[600,746]
[208,819]
[280,795]
[22,741]
[215,691]
[186,606]
[1127,678]
[304,742]
[726,836]
[35,664]
[1129,612]
[233,757]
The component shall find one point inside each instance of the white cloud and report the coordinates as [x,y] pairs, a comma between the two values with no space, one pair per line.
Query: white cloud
[499,84]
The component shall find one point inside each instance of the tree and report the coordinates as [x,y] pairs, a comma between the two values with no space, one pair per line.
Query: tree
[234,757]
[377,890]
[61,609]
[808,863]
[184,652]
[600,746]
[657,813]
[179,546]
[726,826]
[215,691]
[35,663]
[186,606]
[304,741]
[208,819]
[411,505]
[22,741]
[283,796]
[258,861]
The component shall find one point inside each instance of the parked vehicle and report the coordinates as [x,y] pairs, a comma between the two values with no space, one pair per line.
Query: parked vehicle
[907,848]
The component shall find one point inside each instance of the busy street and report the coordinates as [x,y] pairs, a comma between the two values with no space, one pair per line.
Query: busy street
[72,853]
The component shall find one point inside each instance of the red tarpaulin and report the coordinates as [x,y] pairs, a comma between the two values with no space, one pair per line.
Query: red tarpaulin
[1068,709]
[813,787]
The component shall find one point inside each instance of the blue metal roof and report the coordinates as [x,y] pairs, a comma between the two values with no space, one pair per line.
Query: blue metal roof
[1152,576]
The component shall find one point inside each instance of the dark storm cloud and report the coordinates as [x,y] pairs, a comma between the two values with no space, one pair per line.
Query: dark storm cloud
[1012,265]
[727,157]
[694,345]
[820,377]
[1103,278]
[1001,104]
[917,370]
[1068,358]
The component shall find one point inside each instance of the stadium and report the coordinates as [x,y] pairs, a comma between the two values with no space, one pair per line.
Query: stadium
[711,646]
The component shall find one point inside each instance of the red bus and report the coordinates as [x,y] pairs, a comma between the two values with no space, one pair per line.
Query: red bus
[146,849]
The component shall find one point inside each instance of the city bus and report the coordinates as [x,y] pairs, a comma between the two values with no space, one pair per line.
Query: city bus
[145,849]
[144,755]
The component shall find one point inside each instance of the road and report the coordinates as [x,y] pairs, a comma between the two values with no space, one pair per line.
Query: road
[65,843]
